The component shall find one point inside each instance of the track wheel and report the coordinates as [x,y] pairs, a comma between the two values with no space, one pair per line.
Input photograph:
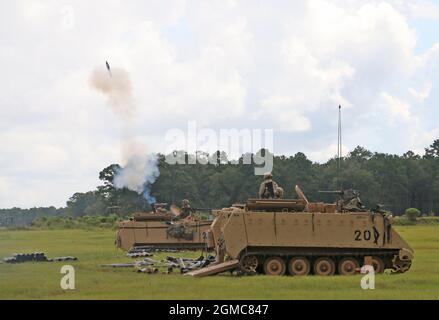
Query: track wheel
[324,267]
[299,266]
[274,266]
[348,266]
[378,264]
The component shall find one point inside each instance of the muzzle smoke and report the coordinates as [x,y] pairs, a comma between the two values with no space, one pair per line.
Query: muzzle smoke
[139,169]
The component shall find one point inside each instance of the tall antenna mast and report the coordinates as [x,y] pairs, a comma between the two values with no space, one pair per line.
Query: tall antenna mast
[339,150]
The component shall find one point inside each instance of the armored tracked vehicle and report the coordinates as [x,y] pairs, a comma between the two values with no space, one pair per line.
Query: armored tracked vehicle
[161,229]
[297,237]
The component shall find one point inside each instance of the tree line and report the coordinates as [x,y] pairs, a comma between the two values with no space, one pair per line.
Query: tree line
[395,181]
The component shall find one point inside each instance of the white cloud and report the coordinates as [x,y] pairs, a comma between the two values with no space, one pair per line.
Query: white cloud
[284,112]
[421,94]
[397,108]
[326,153]
[418,9]
[233,64]
[3,185]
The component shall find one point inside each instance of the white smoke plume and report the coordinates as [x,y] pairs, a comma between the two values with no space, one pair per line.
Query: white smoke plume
[139,169]
[117,88]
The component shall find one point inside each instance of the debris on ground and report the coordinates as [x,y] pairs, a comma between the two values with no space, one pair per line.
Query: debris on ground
[148,270]
[35,256]
[150,249]
[140,263]
[139,254]
[167,265]
[62,259]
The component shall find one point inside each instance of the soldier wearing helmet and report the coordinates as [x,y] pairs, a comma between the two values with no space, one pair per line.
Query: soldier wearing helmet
[186,209]
[269,189]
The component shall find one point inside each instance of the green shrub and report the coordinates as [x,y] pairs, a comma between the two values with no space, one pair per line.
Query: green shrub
[68,222]
[429,221]
[112,217]
[412,214]
[403,221]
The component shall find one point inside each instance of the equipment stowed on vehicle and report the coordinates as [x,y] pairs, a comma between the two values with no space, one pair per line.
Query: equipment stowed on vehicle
[298,237]
[162,230]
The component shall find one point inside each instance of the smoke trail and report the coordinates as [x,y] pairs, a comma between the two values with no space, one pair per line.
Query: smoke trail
[139,169]
[117,89]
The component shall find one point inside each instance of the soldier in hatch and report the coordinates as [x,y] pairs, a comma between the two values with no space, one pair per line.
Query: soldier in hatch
[269,189]
[186,209]
[351,201]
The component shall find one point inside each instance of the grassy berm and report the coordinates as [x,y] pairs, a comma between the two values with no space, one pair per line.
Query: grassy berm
[41,280]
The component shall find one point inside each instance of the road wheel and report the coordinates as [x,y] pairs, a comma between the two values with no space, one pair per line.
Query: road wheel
[324,267]
[274,266]
[299,266]
[348,266]
[378,264]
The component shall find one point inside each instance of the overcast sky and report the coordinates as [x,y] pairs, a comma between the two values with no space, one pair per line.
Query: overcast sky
[284,65]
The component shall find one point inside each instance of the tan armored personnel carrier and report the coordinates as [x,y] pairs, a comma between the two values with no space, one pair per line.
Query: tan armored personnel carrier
[294,236]
[161,229]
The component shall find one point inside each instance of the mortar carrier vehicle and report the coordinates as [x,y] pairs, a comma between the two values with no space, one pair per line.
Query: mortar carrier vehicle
[161,229]
[298,237]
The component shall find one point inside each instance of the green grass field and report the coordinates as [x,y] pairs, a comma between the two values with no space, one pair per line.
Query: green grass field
[42,280]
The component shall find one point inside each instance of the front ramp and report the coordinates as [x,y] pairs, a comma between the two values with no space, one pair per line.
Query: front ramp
[215,269]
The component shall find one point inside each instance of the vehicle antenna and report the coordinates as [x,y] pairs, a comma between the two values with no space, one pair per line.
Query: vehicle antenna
[339,151]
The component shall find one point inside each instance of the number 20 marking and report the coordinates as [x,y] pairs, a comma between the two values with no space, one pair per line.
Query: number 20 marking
[365,235]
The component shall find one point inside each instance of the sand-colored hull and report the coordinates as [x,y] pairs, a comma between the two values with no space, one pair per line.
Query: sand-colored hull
[160,234]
